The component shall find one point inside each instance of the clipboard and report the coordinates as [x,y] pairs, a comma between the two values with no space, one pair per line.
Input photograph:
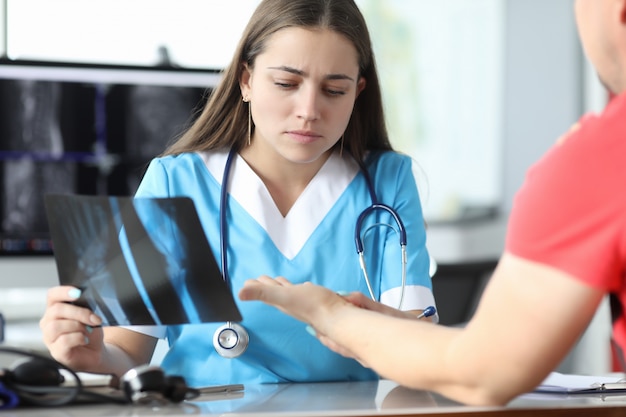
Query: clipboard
[569,384]
[138,261]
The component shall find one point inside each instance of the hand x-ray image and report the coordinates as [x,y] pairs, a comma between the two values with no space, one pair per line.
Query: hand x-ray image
[138,261]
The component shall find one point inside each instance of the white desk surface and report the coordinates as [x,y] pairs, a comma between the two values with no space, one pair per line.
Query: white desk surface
[339,399]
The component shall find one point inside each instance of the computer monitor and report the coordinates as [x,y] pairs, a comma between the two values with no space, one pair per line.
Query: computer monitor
[85,129]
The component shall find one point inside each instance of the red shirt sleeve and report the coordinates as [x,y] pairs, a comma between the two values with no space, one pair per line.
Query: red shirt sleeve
[571,211]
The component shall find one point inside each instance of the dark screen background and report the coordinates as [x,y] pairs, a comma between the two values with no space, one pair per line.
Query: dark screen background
[78,138]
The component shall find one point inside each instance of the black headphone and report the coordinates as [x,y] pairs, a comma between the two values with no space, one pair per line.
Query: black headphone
[38,380]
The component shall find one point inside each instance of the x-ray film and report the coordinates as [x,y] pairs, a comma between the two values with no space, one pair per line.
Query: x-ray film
[138,261]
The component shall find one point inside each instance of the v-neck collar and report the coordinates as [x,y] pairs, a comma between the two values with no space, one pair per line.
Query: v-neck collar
[289,233]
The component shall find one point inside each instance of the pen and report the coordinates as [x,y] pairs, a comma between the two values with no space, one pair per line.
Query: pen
[221,389]
[428,311]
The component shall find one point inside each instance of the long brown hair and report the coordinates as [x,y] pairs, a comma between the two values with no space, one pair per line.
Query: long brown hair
[223,122]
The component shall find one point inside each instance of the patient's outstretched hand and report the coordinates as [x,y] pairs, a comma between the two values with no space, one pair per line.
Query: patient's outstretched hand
[310,303]
[305,302]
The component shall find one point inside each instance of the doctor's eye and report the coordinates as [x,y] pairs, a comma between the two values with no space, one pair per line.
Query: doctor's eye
[285,85]
[332,92]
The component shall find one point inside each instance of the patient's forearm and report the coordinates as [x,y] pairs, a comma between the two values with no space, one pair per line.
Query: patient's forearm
[421,355]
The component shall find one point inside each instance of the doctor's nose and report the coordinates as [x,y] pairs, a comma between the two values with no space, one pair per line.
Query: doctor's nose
[308,107]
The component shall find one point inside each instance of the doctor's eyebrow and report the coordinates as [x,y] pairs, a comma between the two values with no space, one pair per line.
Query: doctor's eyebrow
[301,73]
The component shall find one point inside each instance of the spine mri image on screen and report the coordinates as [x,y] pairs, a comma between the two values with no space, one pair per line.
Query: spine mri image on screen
[78,138]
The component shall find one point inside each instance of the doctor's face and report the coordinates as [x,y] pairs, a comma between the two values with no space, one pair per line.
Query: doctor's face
[302,90]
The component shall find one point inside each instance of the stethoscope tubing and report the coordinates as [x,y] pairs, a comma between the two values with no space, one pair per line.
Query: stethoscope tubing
[222,216]
[375,206]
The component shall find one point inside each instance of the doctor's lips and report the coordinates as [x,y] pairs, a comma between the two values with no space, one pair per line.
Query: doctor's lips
[304,136]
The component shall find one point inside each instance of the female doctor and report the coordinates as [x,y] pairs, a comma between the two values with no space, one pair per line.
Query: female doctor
[295,136]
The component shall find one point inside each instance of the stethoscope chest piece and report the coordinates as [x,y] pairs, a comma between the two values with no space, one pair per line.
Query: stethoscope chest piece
[230,340]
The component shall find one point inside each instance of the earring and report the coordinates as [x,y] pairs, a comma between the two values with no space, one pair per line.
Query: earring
[246,99]
[341,147]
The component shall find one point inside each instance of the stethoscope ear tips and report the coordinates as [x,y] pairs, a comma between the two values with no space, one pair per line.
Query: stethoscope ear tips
[230,340]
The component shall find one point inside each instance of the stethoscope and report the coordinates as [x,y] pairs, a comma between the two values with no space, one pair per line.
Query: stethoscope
[231,339]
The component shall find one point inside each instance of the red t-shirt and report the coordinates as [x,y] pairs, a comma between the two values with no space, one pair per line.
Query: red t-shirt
[571,211]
